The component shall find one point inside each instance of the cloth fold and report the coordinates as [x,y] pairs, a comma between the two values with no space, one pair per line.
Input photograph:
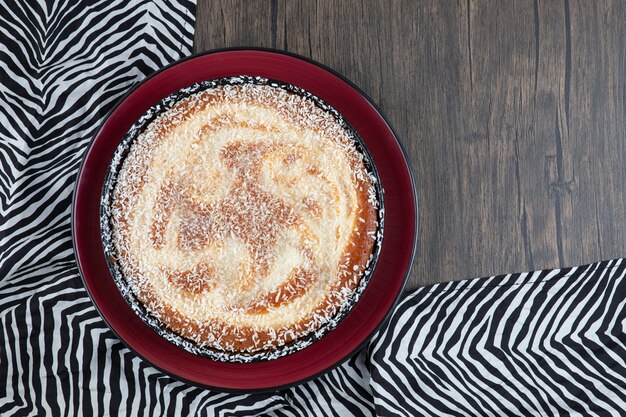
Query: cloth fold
[540,343]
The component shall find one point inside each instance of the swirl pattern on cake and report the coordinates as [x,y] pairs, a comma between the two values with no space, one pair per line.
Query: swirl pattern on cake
[243,217]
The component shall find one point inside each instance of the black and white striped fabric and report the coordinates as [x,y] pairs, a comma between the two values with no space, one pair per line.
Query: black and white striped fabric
[544,343]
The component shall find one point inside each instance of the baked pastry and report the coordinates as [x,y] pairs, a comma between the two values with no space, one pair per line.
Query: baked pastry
[243,217]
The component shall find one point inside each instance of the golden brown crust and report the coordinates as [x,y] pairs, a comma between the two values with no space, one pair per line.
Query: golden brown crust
[200,222]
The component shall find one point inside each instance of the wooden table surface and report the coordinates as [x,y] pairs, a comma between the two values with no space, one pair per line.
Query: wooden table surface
[512,113]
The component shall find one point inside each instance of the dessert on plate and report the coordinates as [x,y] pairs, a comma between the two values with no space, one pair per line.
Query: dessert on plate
[244,216]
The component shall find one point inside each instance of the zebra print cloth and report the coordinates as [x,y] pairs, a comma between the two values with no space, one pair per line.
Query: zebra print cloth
[544,343]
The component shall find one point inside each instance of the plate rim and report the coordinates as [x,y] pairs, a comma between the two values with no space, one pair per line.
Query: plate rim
[397,296]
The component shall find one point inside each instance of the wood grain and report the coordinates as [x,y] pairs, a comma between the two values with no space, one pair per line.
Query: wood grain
[512,113]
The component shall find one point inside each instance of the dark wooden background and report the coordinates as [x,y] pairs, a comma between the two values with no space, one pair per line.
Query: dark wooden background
[512,113]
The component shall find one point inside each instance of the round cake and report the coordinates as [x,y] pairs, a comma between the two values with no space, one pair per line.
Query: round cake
[243,216]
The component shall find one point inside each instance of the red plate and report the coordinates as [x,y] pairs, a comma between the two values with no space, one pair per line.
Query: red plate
[381,294]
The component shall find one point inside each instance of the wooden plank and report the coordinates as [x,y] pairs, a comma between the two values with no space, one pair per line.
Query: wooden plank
[512,113]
